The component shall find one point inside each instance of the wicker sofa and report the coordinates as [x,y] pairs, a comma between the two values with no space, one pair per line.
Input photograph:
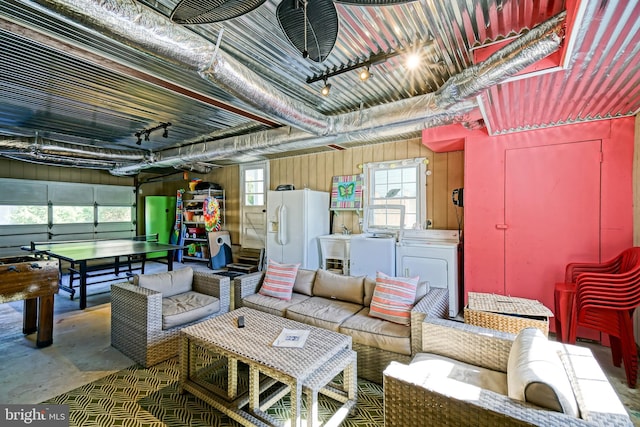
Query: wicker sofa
[147,315]
[472,376]
[341,303]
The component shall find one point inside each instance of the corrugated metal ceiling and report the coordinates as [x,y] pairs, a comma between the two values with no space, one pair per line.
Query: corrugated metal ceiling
[64,82]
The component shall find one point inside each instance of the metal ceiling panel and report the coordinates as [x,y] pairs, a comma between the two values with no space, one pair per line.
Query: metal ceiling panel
[601,81]
[72,84]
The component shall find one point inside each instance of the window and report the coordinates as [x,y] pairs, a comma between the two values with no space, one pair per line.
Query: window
[114,214]
[392,184]
[254,187]
[23,215]
[72,214]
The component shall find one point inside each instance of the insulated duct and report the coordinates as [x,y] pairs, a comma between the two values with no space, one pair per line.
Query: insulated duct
[138,26]
[413,114]
[142,28]
[40,146]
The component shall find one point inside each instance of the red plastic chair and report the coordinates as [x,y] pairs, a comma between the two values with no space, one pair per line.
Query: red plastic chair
[565,292]
[607,305]
[603,297]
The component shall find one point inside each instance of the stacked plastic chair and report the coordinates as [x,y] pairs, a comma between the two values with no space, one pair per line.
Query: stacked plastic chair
[603,297]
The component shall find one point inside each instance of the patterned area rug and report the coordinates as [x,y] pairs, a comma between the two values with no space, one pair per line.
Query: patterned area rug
[139,397]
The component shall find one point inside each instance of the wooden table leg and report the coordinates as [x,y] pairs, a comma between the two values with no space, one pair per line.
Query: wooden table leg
[30,316]
[45,321]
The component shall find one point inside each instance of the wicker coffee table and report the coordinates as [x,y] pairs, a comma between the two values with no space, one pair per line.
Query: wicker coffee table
[273,371]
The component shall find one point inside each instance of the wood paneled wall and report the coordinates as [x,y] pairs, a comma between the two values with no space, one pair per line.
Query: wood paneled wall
[315,171]
[24,170]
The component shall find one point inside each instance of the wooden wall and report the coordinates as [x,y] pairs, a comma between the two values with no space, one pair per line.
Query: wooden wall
[24,170]
[315,171]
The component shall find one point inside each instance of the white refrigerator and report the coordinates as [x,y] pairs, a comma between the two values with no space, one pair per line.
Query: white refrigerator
[295,219]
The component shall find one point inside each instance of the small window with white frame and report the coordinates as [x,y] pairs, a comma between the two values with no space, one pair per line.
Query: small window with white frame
[397,183]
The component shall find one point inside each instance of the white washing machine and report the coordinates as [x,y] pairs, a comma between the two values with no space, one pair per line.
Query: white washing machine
[433,256]
[375,249]
[369,254]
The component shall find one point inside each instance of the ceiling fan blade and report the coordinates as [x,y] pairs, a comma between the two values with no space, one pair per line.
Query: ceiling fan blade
[208,11]
[373,2]
[322,26]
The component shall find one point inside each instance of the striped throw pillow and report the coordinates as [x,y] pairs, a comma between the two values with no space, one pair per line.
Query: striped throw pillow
[278,280]
[393,298]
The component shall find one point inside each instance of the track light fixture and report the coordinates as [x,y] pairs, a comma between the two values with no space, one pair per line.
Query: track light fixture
[376,58]
[365,74]
[326,88]
[147,132]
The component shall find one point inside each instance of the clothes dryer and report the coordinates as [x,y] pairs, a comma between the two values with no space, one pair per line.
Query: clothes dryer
[433,256]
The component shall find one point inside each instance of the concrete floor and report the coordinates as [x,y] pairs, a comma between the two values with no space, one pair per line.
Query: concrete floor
[82,352]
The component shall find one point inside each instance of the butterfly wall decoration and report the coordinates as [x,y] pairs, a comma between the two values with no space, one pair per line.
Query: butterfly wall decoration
[346,192]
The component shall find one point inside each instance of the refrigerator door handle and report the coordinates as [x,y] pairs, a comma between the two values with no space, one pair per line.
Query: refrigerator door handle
[282,221]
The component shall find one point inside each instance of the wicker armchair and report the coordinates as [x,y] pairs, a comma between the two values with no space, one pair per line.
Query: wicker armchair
[415,397]
[137,318]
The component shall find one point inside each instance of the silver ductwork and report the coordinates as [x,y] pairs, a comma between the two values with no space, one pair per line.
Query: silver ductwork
[287,139]
[41,146]
[139,26]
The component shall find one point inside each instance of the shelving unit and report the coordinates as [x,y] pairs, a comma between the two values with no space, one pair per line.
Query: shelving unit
[194,228]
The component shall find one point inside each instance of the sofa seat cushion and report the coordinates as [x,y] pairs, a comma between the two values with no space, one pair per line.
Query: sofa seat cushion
[186,308]
[322,312]
[377,333]
[271,305]
[434,367]
[168,283]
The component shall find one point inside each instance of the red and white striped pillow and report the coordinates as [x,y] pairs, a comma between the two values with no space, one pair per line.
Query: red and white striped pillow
[393,298]
[278,280]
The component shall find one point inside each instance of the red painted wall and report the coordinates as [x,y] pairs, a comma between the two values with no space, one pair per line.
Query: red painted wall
[484,243]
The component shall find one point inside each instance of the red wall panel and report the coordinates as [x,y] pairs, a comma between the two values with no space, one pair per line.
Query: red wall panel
[484,242]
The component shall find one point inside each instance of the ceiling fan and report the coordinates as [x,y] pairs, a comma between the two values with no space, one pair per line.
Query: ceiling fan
[310,25]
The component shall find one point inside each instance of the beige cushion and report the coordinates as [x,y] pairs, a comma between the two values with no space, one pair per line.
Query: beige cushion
[535,374]
[168,283]
[271,305]
[377,333]
[322,312]
[304,282]
[339,287]
[437,366]
[187,307]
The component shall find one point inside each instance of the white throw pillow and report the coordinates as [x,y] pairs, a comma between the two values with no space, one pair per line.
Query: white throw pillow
[535,374]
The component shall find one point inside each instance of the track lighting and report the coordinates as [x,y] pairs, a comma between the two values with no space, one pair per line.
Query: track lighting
[365,74]
[147,132]
[367,63]
[326,88]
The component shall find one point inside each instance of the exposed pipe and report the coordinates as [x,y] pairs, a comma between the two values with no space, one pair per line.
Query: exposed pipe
[444,106]
[138,26]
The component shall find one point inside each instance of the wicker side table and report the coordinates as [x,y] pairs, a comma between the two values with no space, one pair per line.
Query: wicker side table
[505,313]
